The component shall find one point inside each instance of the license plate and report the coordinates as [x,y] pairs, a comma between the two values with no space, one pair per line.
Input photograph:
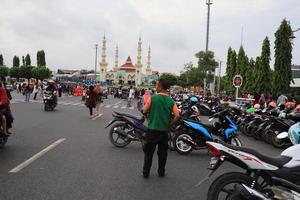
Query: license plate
[213,161]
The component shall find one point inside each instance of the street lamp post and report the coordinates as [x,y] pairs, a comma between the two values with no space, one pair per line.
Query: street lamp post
[208,3]
[219,78]
[96,47]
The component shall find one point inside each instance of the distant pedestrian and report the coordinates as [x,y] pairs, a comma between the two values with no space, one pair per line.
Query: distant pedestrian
[35,91]
[99,93]
[27,92]
[91,100]
[59,89]
[130,96]
[161,108]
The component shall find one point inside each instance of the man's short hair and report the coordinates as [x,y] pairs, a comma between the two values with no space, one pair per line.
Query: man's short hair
[164,83]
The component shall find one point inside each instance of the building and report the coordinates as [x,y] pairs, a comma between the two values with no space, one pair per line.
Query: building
[296,76]
[127,73]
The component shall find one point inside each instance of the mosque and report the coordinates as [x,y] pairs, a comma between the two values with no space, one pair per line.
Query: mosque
[127,73]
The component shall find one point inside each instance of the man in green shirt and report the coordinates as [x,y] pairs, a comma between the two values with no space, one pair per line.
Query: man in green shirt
[163,112]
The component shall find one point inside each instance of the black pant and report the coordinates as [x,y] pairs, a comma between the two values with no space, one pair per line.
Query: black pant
[35,96]
[91,110]
[154,138]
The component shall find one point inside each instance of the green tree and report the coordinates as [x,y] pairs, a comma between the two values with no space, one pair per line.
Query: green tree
[232,69]
[27,60]
[250,77]
[283,58]
[26,72]
[256,76]
[14,72]
[206,65]
[40,58]
[172,78]
[242,62]
[1,60]
[41,73]
[16,61]
[23,61]
[4,71]
[263,75]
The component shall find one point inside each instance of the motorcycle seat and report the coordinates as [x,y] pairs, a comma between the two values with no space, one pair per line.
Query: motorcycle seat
[209,127]
[277,161]
[131,116]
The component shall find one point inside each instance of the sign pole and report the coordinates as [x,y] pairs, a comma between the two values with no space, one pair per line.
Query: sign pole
[237,93]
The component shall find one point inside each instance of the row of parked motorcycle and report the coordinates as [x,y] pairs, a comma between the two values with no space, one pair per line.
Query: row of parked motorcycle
[266,124]
[260,177]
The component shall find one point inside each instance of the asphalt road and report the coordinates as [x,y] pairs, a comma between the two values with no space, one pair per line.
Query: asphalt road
[85,165]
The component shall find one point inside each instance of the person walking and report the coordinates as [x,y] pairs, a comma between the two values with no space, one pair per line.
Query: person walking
[91,100]
[99,92]
[27,92]
[35,91]
[161,108]
[130,96]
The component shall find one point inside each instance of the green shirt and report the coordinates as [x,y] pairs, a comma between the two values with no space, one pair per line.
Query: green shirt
[160,114]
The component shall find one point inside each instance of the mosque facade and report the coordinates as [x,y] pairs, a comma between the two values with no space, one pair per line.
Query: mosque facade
[128,73]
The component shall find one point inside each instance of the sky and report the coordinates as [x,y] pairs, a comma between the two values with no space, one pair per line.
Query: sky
[67,30]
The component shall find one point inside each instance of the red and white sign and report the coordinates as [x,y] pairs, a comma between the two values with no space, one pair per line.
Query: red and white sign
[237,81]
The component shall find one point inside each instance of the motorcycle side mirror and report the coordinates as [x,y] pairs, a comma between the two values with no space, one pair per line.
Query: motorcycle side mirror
[282,135]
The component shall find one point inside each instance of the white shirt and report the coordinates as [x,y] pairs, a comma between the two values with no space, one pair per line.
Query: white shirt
[131,93]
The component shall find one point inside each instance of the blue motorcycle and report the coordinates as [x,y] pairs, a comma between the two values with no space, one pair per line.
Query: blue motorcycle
[192,135]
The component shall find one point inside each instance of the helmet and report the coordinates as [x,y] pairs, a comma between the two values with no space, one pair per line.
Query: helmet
[257,106]
[272,104]
[294,133]
[194,99]
[298,108]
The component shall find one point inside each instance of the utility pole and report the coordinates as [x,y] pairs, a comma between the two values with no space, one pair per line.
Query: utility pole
[208,3]
[219,79]
[96,47]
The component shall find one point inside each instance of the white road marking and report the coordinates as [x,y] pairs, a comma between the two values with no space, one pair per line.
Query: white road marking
[97,117]
[107,106]
[131,108]
[101,105]
[36,156]
[118,102]
[115,106]
[123,107]
[75,104]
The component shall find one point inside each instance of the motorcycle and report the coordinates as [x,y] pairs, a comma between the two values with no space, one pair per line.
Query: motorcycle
[259,169]
[192,135]
[293,134]
[281,190]
[9,121]
[128,128]
[50,101]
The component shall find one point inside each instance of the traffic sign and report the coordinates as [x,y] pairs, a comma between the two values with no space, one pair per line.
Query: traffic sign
[237,81]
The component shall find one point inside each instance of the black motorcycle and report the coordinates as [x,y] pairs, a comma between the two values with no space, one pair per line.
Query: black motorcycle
[50,101]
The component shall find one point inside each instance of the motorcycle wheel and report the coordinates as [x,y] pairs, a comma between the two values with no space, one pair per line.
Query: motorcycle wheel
[235,141]
[171,141]
[278,143]
[218,189]
[244,130]
[257,134]
[115,140]
[180,146]
[3,141]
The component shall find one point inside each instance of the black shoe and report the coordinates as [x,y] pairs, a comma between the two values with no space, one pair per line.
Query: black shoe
[161,174]
[145,175]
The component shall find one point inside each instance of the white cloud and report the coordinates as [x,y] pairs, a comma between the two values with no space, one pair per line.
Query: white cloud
[68,29]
